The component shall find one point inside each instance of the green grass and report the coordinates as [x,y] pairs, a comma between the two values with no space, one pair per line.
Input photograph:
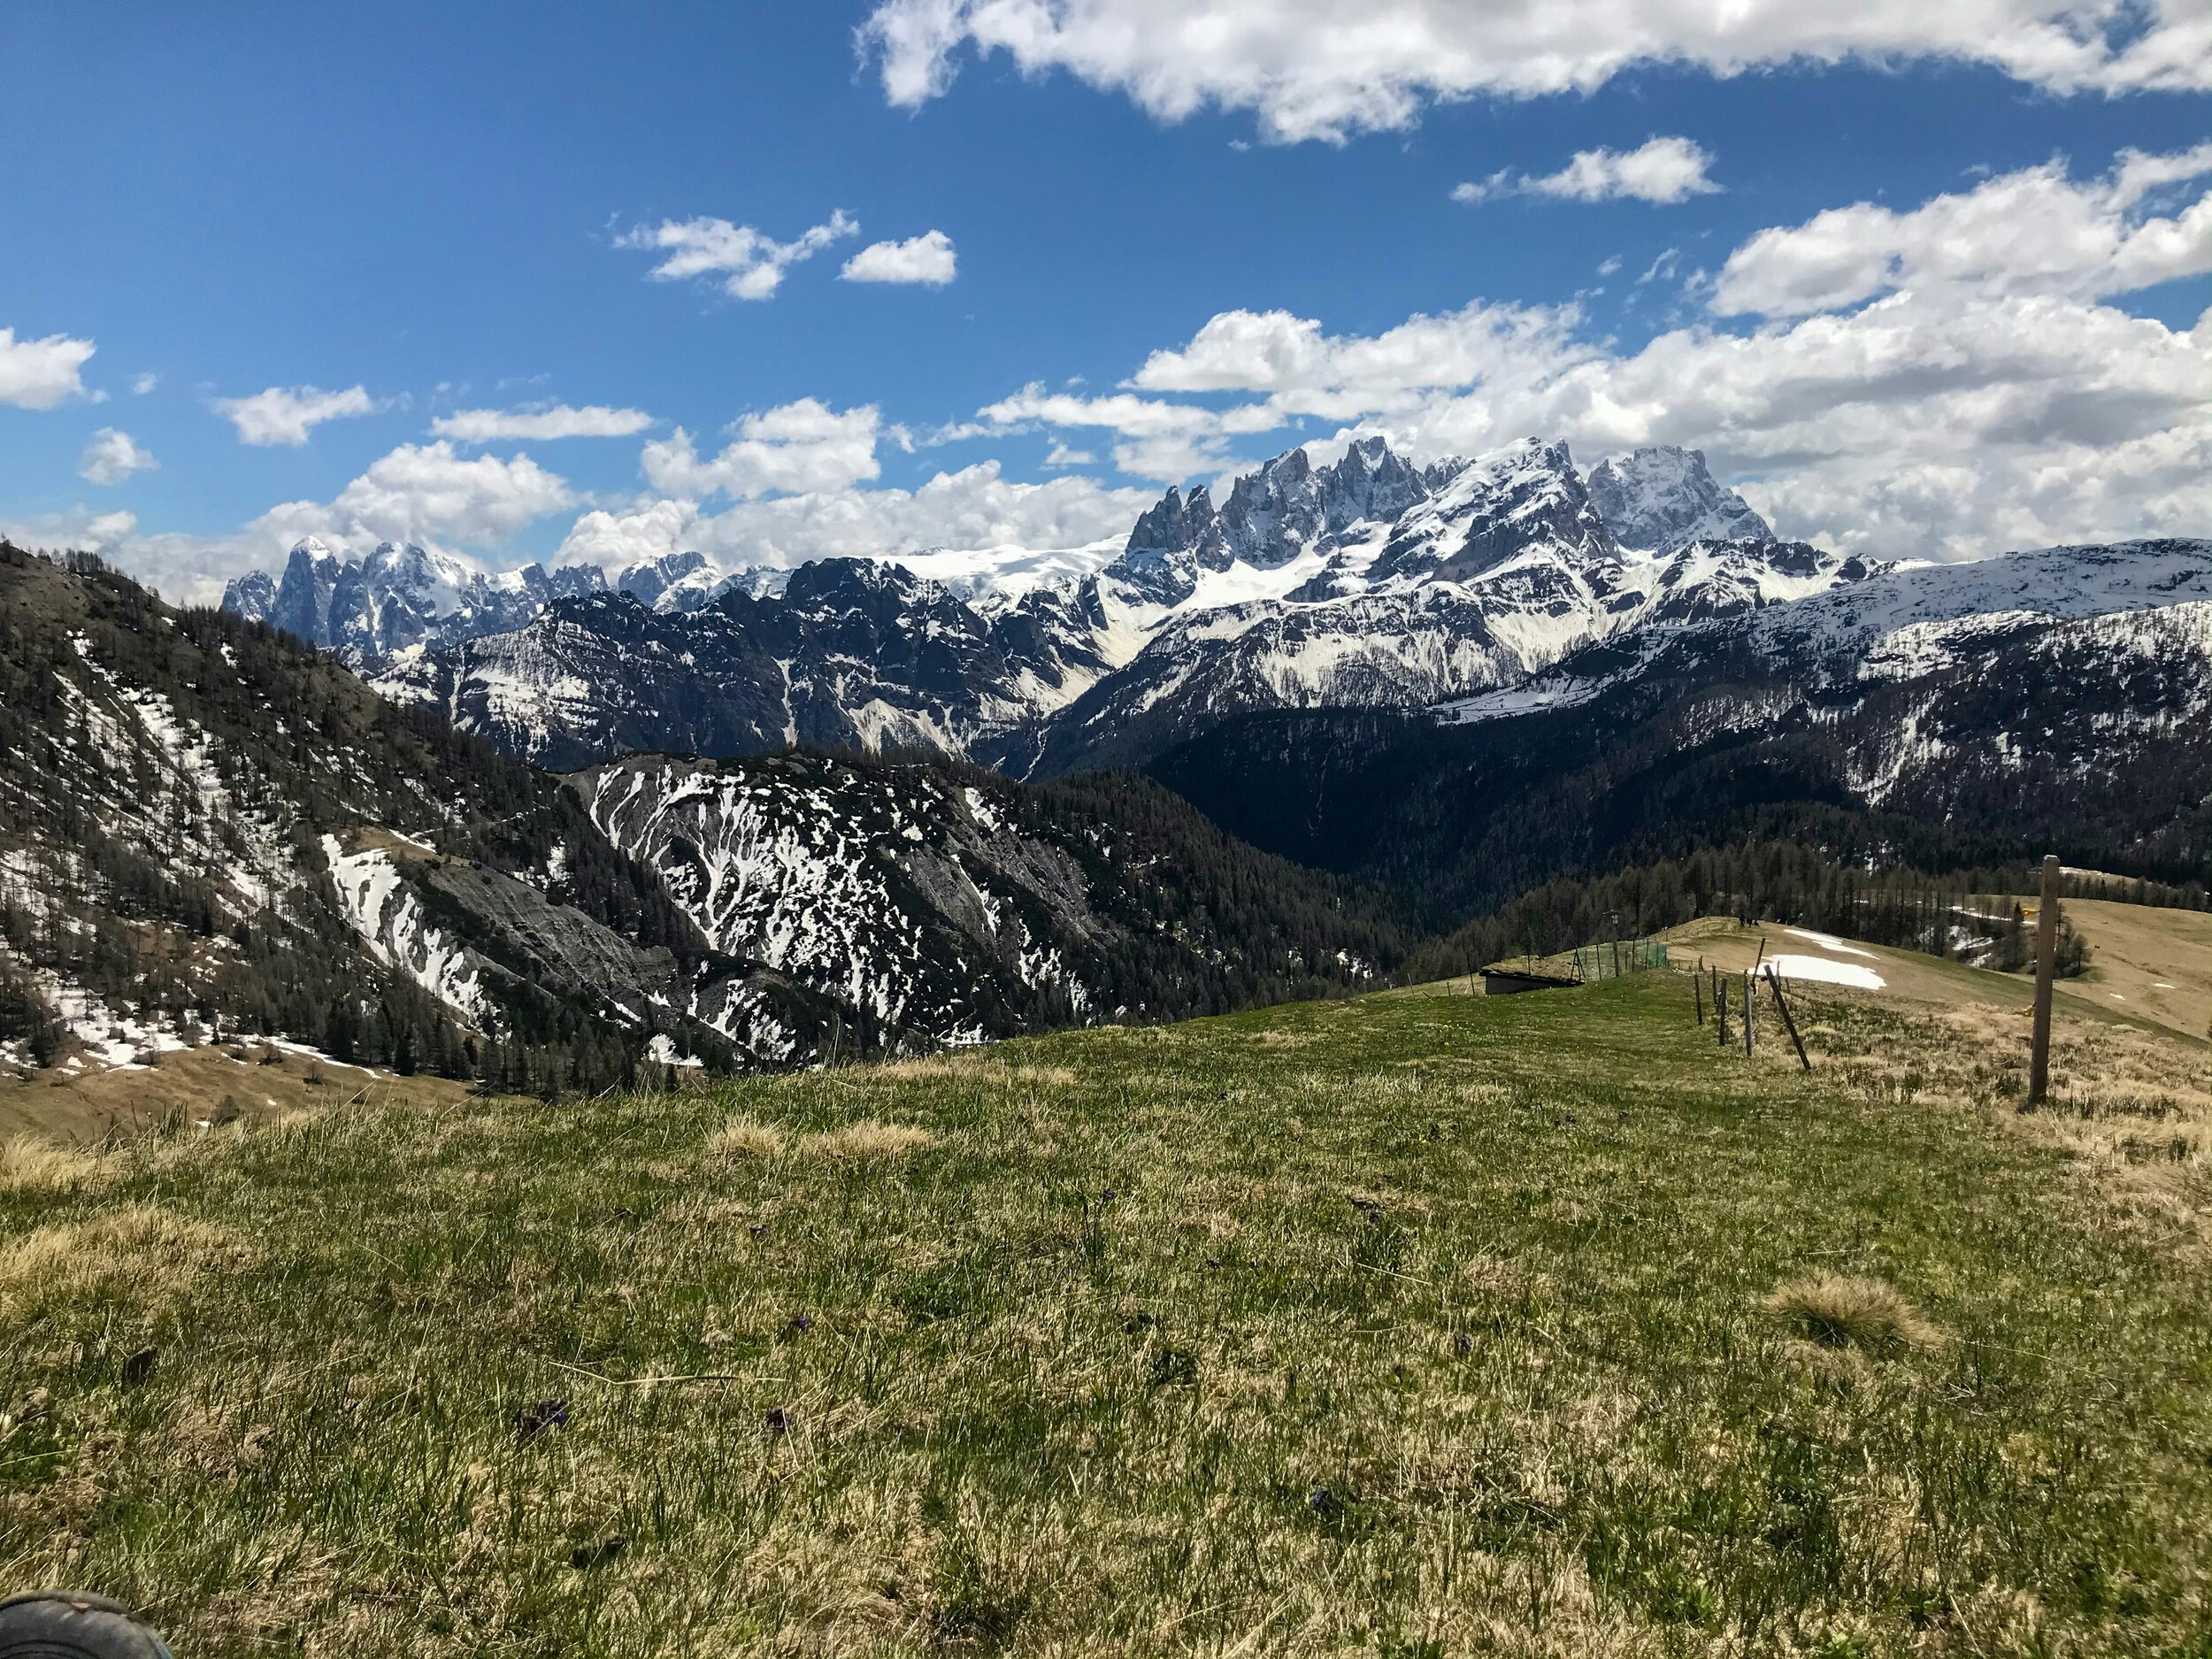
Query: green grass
[1420,1326]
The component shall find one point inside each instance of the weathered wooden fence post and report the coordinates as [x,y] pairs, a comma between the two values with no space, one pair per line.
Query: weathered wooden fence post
[2045,962]
[1697,992]
[1746,1017]
[1774,984]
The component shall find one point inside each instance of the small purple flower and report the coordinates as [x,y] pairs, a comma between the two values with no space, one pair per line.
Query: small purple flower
[800,1325]
[1109,1195]
[778,1420]
[1323,1503]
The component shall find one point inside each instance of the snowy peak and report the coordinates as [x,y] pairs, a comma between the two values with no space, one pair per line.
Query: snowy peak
[400,595]
[1526,497]
[1274,516]
[1660,499]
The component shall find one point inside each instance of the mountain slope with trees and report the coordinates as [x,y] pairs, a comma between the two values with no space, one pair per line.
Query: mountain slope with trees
[207,827]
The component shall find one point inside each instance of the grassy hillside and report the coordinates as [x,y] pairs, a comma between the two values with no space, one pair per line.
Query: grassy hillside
[1419,1325]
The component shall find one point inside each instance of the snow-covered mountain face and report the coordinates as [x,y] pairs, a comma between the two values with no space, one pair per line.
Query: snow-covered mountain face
[1660,500]
[938,906]
[1368,581]
[1944,716]
[1922,619]
[851,653]
[398,598]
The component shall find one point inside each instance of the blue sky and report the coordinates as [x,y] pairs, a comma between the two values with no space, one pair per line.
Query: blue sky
[441,206]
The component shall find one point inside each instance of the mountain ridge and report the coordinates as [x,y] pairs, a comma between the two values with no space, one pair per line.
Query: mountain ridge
[1366,580]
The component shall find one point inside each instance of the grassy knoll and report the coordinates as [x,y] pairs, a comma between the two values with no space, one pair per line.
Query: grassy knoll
[1420,1326]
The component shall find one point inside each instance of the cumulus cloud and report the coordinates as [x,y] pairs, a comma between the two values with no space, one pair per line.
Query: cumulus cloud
[749,264]
[1328,69]
[426,493]
[927,258]
[1664,171]
[287,414]
[975,508]
[1995,401]
[141,384]
[2032,231]
[40,374]
[111,457]
[1168,442]
[559,421]
[792,448]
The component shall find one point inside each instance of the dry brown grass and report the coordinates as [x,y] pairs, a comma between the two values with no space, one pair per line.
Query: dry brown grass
[869,1139]
[745,1138]
[1836,1312]
[981,1066]
[2132,1107]
[28,1164]
[143,1253]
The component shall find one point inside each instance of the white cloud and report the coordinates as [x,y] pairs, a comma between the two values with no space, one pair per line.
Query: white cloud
[488,425]
[286,414]
[749,263]
[1326,69]
[426,493]
[927,258]
[792,448]
[1168,442]
[972,509]
[1060,455]
[1664,171]
[40,374]
[110,529]
[1995,403]
[141,384]
[111,457]
[2032,231]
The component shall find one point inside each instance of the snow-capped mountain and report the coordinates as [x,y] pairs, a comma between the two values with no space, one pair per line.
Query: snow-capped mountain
[1367,581]
[1927,617]
[1659,500]
[850,653]
[398,597]
[1942,716]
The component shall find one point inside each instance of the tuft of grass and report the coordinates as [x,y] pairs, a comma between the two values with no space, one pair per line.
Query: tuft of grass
[30,1165]
[744,1138]
[1838,1312]
[141,1253]
[869,1139]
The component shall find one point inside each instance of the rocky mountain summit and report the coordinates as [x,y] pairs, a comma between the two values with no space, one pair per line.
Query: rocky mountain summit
[1660,500]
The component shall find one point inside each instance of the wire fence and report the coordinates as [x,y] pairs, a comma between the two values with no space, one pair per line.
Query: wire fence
[1614,958]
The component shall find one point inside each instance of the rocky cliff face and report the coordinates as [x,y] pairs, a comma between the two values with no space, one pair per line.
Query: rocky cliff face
[1660,500]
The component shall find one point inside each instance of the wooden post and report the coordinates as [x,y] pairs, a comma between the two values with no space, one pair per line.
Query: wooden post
[1720,1011]
[1697,991]
[1774,984]
[1746,1017]
[2045,960]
